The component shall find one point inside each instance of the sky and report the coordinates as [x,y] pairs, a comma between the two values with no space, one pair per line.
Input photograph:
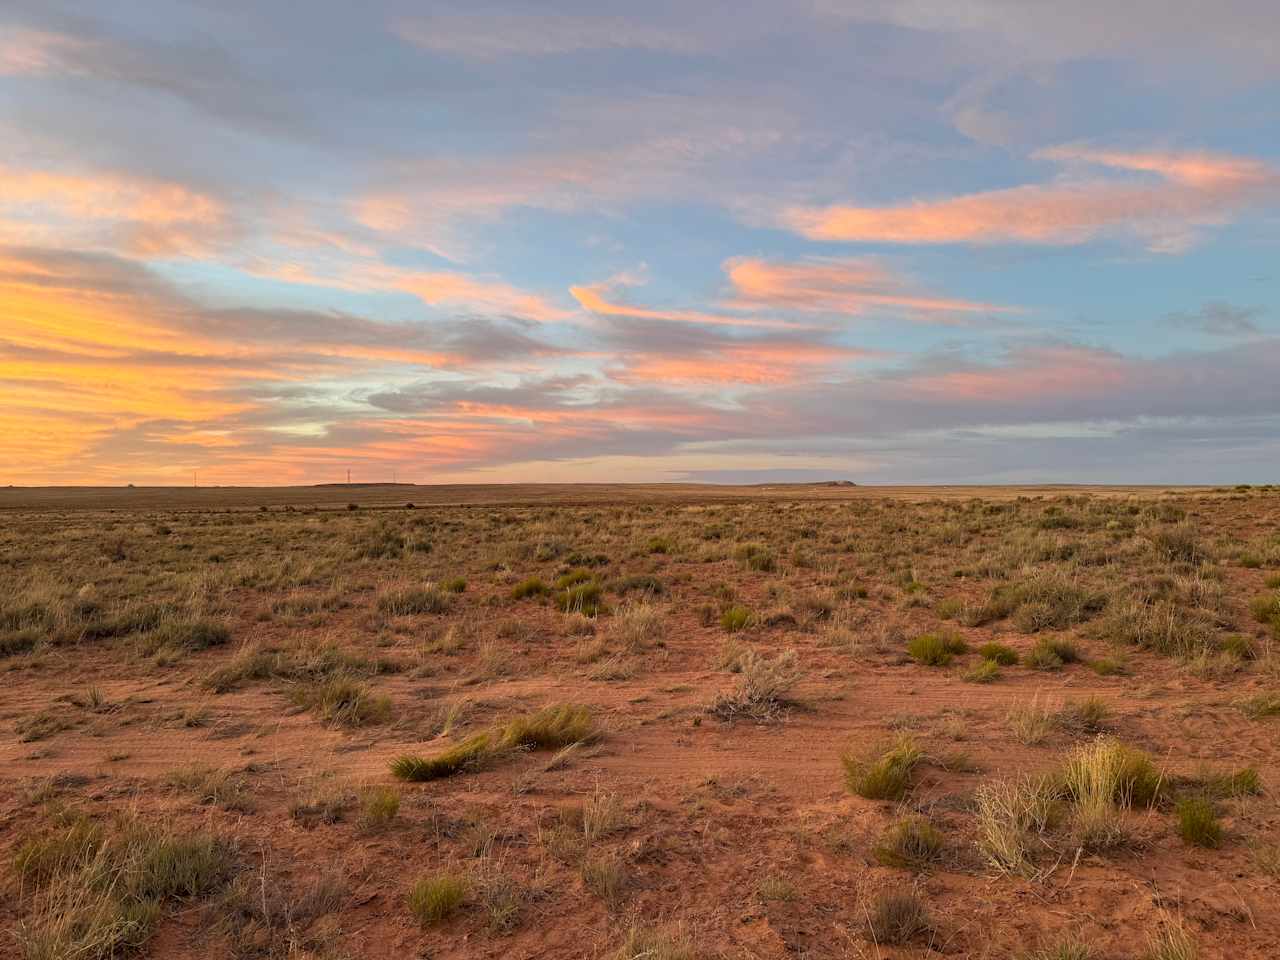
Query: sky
[924,241]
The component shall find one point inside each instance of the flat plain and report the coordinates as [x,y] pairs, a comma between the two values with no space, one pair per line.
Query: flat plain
[627,722]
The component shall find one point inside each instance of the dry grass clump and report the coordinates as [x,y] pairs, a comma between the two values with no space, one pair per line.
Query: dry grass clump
[650,943]
[897,917]
[263,915]
[637,626]
[911,843]
[883,772]
[1013,816]
[342,701]
[378,806]
[1069,949]
[936,649]
[1171,942]
[435,897]
[95,890]
[407,601]
[984,671]
[530,587]
[1260,706]
[211,785]
[763,686]
[1031,722]
[548,729]
[1051,653]
[1114,771]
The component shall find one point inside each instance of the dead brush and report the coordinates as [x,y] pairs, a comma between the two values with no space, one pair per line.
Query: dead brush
[761,693]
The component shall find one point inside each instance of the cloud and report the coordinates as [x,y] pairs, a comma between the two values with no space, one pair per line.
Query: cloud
[1219,318]
[836,286]
[594,299]
[140,215]
[546,33]
[1186,191]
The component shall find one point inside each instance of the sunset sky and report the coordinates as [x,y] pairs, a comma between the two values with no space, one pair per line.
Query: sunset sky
[919,241]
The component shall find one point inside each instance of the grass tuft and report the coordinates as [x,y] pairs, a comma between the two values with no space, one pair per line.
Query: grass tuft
[882,773]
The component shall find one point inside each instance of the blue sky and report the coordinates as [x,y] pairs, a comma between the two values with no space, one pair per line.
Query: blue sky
[917,241]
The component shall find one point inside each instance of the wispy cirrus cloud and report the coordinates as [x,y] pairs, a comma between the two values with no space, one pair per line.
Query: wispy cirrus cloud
[489,36]
[1184,192]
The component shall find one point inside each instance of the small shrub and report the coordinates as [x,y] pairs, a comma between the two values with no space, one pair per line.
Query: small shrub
[1198,823]
[583,598]
[660,545]
[1109,667]
[999,653]
[454,585]
[1051,653]
[936,649]
[883,773]
[911,843]
[763,686]
[434,898]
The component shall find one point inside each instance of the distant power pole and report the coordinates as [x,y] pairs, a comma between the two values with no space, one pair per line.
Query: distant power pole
[348,476]
[195,479]
[393,476]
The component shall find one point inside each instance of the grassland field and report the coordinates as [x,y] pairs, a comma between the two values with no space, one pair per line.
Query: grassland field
[640,721]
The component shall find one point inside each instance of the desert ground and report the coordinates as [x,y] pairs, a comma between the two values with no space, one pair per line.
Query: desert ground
[624,722]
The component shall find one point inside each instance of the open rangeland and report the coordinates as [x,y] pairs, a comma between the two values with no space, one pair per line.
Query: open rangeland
[647,722]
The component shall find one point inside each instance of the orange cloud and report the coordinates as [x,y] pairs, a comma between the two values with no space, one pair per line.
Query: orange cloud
[136,214]
[760,364]
[592,299]
[1189,190]
[849,286]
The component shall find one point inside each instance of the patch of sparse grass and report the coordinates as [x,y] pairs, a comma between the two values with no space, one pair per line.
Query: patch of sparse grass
[1069,949]
[1051,653]
[1031,722]
[436,897]
[342,701]
[911,843]
[378,806]
[1123,775]
[650,943]
[584,598]
[1260,706]
[1171,942]
[606,878]
[408,601]
[1089,715]
[882,772]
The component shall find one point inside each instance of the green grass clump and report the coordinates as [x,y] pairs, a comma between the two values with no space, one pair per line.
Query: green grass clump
[658,545]
[434,898]
[984,671]
[1260,706]
[581,598]
[454,585]
[549,729]
[189,635]
[1071,949]
[1198,822]
[379,805]
[936,649]
[1051,653]
[756,557]
[735,618]
[1238,783]
[1000,653]
[911,843]
[468,754]
[884,773]
[1265,607]
[1109,667]
[530,587]
[1109,770]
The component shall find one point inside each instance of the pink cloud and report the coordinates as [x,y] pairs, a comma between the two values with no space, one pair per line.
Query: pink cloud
[848,286]
[1185,191]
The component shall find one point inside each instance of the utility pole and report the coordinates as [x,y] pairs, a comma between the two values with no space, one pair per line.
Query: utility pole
[348,476]
[195,479]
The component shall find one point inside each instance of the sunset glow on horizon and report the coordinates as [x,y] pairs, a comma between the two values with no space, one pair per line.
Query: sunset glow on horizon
[914,241]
